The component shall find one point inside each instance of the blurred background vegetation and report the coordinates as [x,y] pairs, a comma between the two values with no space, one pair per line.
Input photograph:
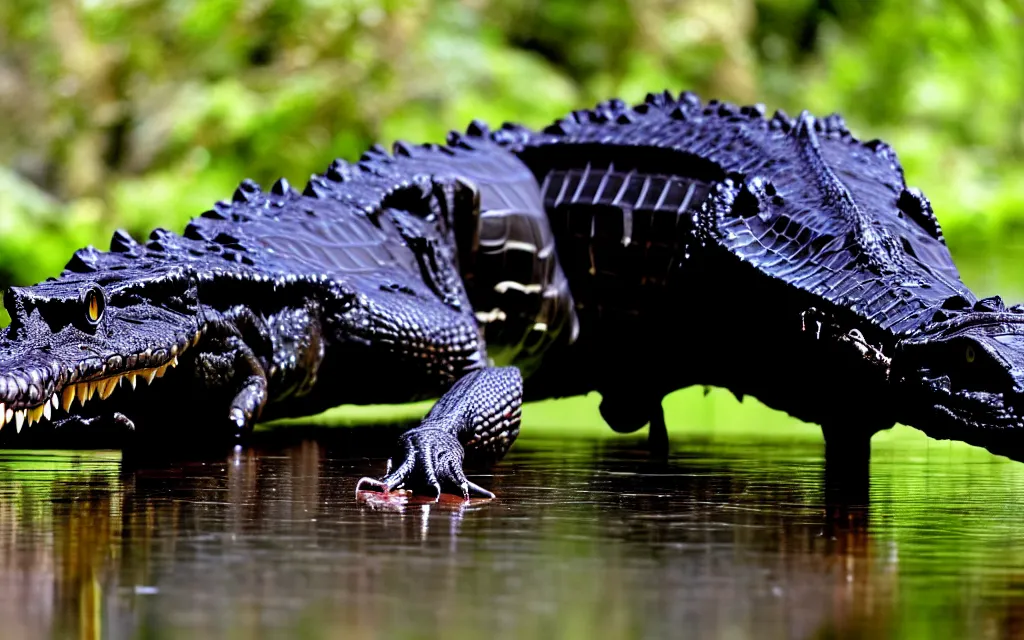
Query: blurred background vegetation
[142,113]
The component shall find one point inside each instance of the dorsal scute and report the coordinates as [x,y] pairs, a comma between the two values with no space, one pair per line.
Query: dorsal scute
[282,188]
[916,205]
[246,191]
[834,225]
[85,260]
[122,242]
[877,246]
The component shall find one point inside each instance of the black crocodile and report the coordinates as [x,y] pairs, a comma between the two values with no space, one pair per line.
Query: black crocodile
[629,250]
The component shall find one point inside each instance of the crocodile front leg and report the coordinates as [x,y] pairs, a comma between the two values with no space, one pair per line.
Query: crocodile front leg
[228,360]
[479,415]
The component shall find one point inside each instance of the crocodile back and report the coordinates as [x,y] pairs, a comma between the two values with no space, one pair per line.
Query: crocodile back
[800,200]
[620,233]
[459,223]
[379,231]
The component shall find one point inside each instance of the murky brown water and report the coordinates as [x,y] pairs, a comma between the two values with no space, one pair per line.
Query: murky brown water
[730,538]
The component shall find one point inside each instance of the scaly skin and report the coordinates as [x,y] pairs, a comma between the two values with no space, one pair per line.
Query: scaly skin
[701,244]
[777,257]
[281,304]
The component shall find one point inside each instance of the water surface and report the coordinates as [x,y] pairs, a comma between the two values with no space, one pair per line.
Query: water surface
[729,537]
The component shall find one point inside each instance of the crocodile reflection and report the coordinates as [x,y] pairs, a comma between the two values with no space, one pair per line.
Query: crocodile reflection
[271,537]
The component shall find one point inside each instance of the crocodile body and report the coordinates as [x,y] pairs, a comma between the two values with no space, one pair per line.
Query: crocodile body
[631,250]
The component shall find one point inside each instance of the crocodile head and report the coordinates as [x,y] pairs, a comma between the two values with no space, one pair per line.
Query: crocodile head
[962,375]
[81,336]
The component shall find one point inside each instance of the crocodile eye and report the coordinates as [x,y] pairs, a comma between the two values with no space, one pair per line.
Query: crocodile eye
[95,304]
[969,354]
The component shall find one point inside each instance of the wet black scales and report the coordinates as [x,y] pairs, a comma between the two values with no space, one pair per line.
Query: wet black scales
[631,250]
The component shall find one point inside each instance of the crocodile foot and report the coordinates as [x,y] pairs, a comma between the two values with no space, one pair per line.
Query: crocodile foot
[431,460]
[480,412]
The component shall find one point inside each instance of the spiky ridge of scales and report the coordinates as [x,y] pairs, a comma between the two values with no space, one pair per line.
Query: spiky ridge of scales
[800,199]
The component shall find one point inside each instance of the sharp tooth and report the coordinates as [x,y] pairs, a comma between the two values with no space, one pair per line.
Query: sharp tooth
[67,397]
[131,378]
[174,361]
[106,387]
[9,415]
[148,375]
[35,413]
[195,340]
[161,370]
[3,415]
[82,392]
[19,419]
[54,401]
[47,408]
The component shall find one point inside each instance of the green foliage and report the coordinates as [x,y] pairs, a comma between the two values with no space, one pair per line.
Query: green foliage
[142,113]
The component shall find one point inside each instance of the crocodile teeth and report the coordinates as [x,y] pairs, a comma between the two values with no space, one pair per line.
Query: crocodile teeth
[106,387]
[3,415]
[9,415]
[35,413]
[19,419]
[83,391]
[67,397]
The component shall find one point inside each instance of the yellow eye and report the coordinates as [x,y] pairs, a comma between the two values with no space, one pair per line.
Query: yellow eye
[969,355]
[94,305]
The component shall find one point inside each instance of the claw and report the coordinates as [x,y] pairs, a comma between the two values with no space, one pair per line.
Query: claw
[373,482]
[477,489]
[432,463]
[237,417]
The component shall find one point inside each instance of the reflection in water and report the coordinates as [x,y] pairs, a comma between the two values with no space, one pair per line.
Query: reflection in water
[587,538]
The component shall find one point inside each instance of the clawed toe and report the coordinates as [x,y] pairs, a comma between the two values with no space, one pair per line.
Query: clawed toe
[432,463]
[472,488]
[372,483]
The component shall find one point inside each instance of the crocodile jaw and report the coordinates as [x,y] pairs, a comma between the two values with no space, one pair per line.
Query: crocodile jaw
[33,394]
[963,377]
